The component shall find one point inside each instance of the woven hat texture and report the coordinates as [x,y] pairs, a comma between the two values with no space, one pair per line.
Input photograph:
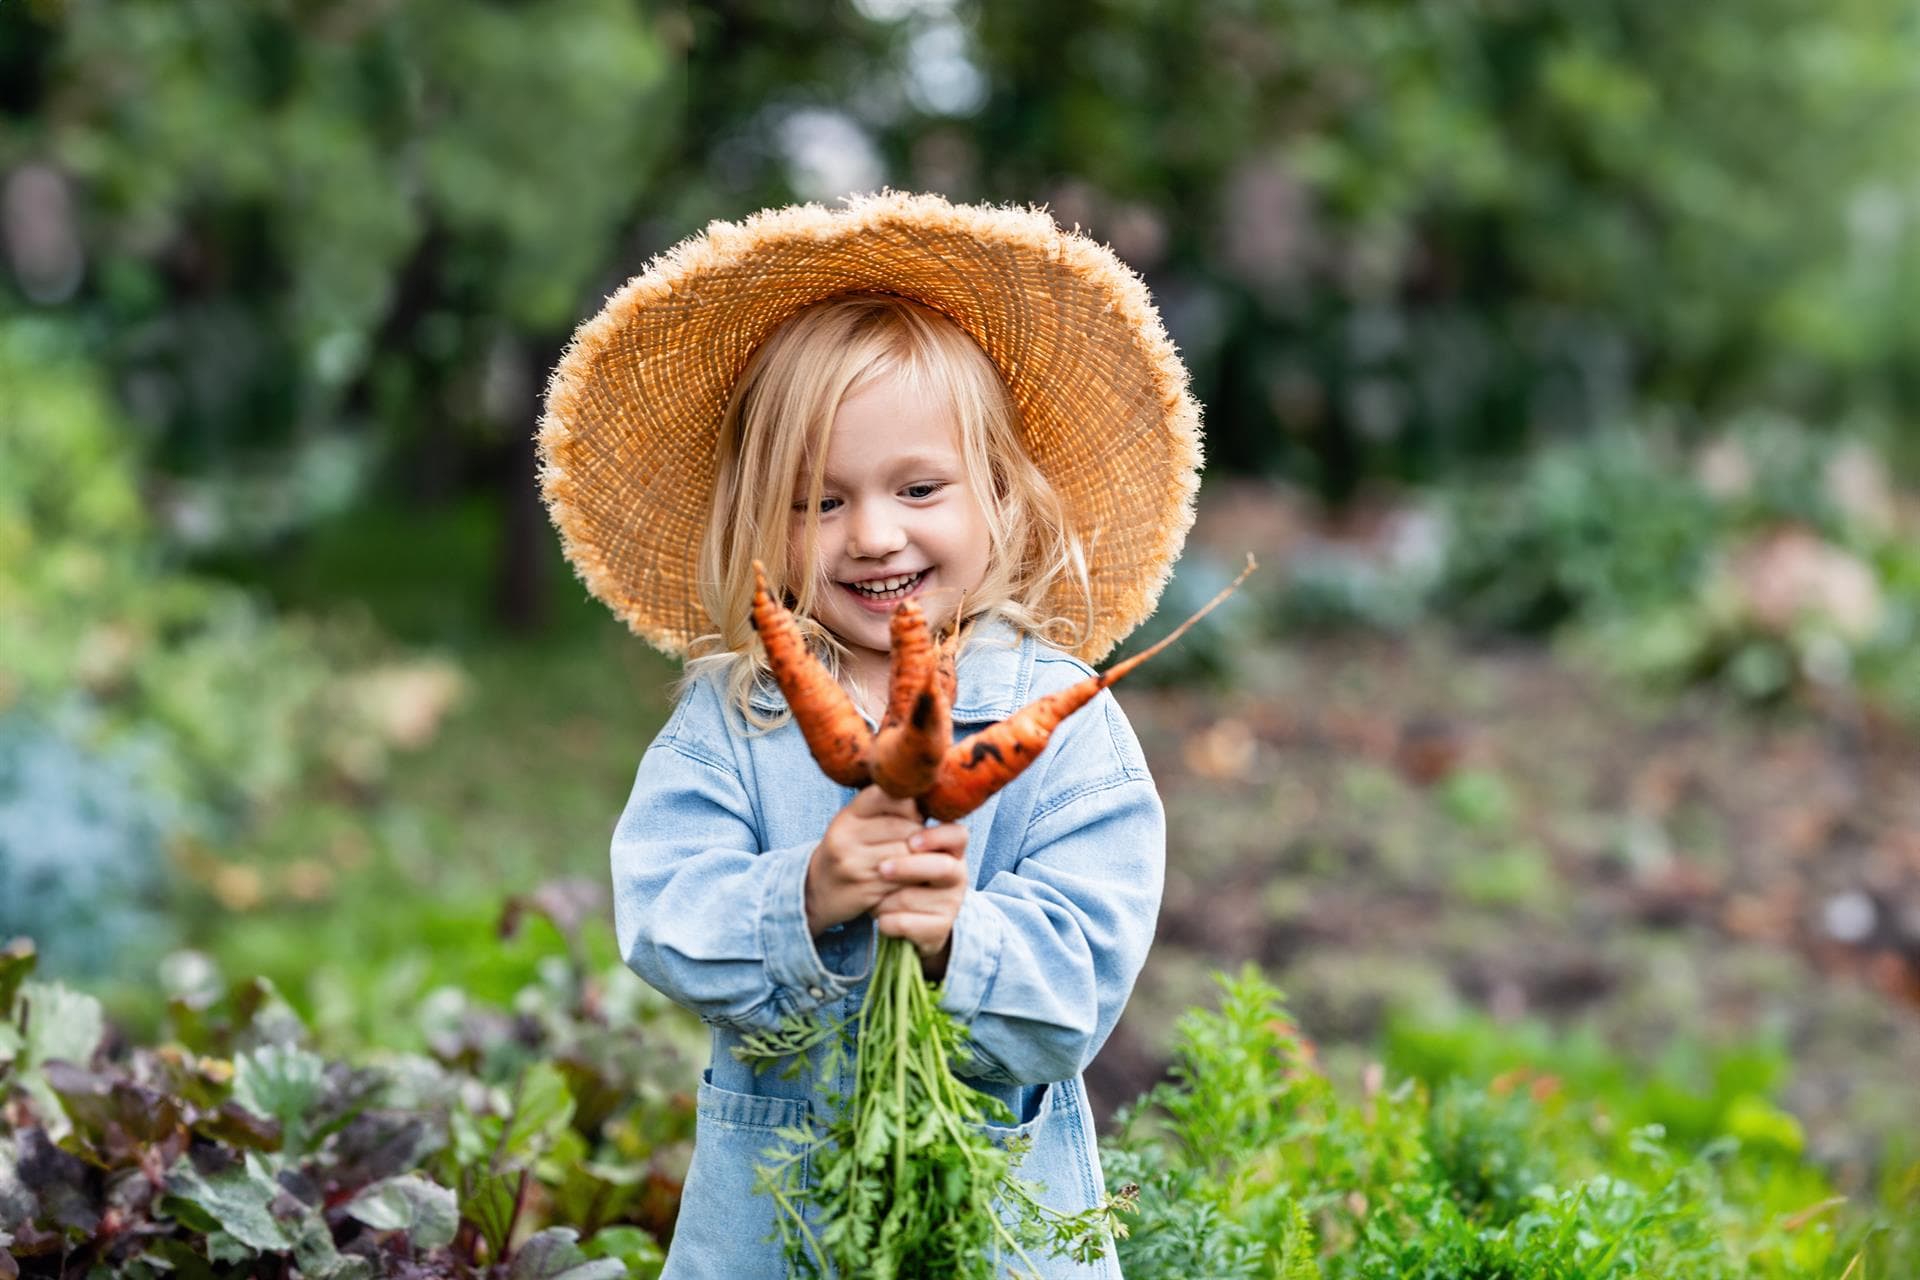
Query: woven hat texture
[633,409]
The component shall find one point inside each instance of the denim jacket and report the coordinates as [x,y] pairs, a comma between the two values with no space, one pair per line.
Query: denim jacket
[709,873]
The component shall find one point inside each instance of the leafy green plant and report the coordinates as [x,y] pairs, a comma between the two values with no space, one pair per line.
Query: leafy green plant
[1607,524]
[1250,1162]
[906,1182]
[232,1145]
[530,1146]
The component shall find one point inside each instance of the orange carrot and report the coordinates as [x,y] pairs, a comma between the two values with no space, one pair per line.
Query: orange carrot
[919,725]
[948,663]
[976,767]
[912,650]
[834,730]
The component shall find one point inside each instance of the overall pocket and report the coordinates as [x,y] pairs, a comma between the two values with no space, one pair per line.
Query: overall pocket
[725,1227]
[1026,1119]
[1042,1125]
[1061,1163]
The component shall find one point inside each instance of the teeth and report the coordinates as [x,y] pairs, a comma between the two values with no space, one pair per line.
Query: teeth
[885,587]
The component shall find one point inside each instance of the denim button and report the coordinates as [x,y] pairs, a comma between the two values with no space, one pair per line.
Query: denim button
[815,992]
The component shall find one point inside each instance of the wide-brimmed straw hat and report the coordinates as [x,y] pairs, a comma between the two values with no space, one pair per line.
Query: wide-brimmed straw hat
[634,407]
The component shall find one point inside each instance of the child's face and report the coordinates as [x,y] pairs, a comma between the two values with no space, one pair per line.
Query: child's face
[895,504]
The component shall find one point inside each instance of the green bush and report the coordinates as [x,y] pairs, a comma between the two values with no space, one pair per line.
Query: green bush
[1772,564]
[548,1138]
[1593,529]
[1250,1163]
[236,718]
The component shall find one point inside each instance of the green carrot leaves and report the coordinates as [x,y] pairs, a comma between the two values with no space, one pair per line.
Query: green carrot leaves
[906,1179]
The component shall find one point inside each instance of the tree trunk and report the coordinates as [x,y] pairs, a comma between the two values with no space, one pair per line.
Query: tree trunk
[526,550]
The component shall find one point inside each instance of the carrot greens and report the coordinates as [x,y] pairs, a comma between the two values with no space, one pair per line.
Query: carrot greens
[906,1179]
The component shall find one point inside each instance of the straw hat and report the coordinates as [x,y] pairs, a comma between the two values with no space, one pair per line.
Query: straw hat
[633,410]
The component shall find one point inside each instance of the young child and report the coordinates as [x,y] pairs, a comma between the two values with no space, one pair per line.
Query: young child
[906,398]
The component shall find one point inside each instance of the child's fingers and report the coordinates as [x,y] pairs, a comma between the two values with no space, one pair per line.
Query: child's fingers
[928,932]
[919,900]
[872,802]
[883,825]
[949,838]
[941,870]
[894,832]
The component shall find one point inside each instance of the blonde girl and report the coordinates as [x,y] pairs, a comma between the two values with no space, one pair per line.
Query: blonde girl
[905,398]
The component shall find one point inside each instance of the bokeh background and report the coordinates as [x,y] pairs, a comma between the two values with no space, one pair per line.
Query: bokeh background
[1560,361]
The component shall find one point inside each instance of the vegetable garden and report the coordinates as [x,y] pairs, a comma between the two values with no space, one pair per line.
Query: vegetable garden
[1560,767]
[1579,955]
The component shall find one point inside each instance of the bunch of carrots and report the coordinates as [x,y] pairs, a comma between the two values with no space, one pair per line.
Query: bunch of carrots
[905,1181]
[914,756]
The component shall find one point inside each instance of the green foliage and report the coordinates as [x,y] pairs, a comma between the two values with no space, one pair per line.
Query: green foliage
[1694,1092]
[1197,1147]
[284,1084]
[232,1147]
[1592,529]
[1479,1145]
[144,710]
[536,1148]
[905,1179]
[301,221]
[1399,236]
[1250,1163]
[1406,236]
[426,1211]
[1771,563]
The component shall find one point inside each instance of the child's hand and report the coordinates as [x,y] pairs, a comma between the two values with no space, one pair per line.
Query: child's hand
[843,879]
[931,883]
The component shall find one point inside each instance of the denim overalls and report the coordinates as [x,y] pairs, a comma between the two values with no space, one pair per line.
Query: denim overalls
[709,868]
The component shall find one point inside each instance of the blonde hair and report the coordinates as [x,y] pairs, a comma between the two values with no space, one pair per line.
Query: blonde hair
[776,426]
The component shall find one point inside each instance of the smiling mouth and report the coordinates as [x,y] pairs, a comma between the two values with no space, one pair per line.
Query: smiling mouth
[888,588]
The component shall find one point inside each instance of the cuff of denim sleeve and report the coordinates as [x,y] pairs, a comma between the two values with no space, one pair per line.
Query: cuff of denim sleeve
[799,976]
[973,960]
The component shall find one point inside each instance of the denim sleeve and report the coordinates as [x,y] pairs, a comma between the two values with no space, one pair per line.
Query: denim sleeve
[1044,956]
[700,910]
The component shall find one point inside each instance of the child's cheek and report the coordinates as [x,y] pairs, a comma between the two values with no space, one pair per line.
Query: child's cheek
[800,566]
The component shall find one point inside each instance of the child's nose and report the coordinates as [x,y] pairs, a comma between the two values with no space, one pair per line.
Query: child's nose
[875,535]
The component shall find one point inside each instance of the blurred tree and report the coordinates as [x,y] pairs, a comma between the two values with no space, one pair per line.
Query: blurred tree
[315,234]
[1389,235]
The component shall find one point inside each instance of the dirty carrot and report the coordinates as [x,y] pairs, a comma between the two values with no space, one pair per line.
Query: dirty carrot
[835,732]
[911,653]
[976,767]
[910,745]
[949,670]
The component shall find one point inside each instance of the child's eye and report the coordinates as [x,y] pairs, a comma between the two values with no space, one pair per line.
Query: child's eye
[826,505]
[923,490]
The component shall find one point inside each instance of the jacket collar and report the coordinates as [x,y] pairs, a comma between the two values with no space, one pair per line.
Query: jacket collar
[996,674]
